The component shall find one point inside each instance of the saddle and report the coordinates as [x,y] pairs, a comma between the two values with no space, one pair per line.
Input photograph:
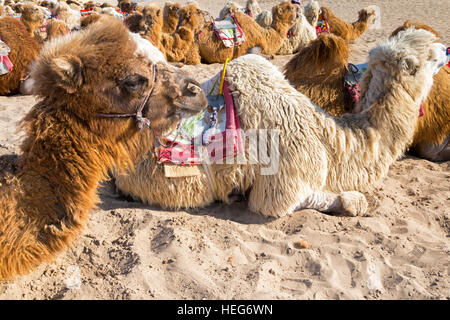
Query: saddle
[209,136]
[229,31]
[322,25]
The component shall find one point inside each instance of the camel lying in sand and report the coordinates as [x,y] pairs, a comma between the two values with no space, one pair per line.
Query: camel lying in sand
[85,82]
[23,50]
[251,9]
[33,17]
[432,138]
[148,23]
[298,36]
[178,46]
[319,70]
[212,49]
[322,160]
[345,30]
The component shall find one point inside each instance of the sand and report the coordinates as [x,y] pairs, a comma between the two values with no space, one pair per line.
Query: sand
[398,250]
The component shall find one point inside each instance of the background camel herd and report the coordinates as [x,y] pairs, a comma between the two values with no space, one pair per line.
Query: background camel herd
[184,35]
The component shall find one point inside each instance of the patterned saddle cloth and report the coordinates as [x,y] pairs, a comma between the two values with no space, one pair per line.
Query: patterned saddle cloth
[86,12]
[322,25]
[229,31]
[209,136]
[6,65]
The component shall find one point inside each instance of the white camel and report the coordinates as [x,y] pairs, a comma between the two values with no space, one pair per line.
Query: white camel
[324,162]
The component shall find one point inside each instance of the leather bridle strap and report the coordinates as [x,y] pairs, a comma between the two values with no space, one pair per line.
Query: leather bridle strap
[141,121]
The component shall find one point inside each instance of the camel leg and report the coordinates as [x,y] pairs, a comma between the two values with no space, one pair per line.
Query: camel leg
[349,203]
[434,152]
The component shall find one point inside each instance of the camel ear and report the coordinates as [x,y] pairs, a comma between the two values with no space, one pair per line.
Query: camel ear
[409,64]
[68,72]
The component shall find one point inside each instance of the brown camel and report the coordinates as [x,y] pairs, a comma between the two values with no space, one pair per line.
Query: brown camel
[125,6]
[345,30]
[212,49]
[432,138]
[89,19]
[318,71]
[170,15]
[73,135]
[33,18]
[148,23]
[180,46]
[24,49]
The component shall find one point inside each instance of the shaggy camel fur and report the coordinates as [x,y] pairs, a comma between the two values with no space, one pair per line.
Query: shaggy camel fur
[432,138]
[33,17]
[69,147]
[349,31]
[180,46]
[299,35]
[89,19]
[212,49]
[24,49]
[170,16]
[68,15]
[319,69]
[322,159]
[56,28]
[148,23]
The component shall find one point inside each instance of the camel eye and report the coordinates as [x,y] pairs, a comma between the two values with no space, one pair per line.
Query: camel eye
[133,83]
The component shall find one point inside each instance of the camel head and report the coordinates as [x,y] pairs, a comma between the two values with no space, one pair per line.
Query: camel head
[410,59]
[49,4]
[151,15]
[103,77]
[90,5]
[171,9]
[312,12]
[31,12]
[285,13]
[191,17]
[367,15]
[125,6]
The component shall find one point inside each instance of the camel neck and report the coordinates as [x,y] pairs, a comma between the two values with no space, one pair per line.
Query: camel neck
[374,138]
[281,28]
[360,27]
[61,166]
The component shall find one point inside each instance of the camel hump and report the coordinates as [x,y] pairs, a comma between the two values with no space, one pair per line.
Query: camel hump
[418,25]
[326,53]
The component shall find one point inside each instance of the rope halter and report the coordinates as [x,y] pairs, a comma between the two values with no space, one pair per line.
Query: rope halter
[140,120]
